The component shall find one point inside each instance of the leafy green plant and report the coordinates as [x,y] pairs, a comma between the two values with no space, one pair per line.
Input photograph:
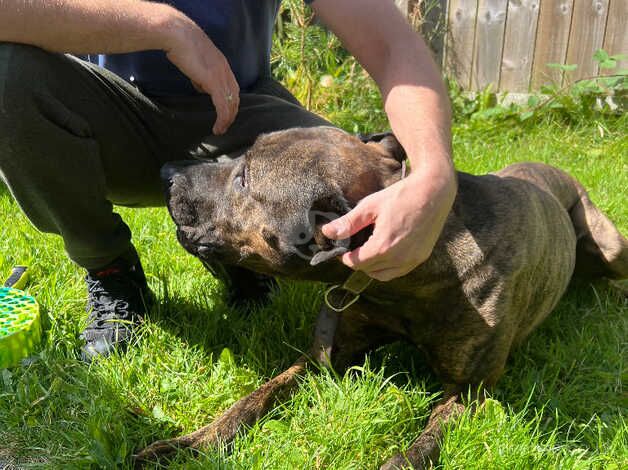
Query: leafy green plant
[584,99]
[313,65]
[589,97]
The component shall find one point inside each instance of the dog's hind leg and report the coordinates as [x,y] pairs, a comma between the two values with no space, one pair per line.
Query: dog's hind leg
[601,250]
[425,451]
[248,410]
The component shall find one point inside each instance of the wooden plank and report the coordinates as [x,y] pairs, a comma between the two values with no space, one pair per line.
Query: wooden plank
[616,37]
[459,42]
[489,42]
[552,39]
[434,26]
[587,35]
[519,42]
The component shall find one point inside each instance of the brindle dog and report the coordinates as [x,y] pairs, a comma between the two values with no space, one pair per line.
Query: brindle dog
[508,250]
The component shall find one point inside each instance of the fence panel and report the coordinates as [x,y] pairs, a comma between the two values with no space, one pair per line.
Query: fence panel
[459,44]
[489,41]
[552,38]
[519,42]
[508,43]
[616,37]
[587,35]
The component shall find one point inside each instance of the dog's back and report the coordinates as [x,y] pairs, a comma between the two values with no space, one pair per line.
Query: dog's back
[506,256]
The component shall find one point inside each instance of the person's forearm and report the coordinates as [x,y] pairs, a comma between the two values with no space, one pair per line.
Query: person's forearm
[397,58]
[417,104]
[90,26]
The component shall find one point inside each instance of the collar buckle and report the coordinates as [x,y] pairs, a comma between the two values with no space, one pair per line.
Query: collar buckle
[353,286]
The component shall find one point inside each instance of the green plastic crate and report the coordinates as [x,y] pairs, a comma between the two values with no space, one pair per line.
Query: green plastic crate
[20,326]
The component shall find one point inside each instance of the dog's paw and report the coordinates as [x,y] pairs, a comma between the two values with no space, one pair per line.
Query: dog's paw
[221,432]
[158,450]
[398,462]
[401,462]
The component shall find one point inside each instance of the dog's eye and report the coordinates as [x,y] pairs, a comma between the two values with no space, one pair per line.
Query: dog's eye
[240,181]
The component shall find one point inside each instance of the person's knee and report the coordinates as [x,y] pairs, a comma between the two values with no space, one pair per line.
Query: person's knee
[24,70]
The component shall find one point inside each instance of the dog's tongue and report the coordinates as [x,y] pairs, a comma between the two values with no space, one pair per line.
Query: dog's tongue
[323,256]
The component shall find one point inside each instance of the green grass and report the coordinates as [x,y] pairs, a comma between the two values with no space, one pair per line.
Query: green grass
[561,402]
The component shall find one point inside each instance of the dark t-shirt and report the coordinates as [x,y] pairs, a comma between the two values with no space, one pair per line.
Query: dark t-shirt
[241,29]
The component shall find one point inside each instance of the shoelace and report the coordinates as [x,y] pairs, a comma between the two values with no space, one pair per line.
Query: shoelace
[102,293]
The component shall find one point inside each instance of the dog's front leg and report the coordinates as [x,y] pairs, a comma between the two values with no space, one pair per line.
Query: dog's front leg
[244,412]
[248,410]
[425,451]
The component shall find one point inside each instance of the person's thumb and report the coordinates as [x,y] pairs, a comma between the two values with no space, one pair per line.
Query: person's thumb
[350,223]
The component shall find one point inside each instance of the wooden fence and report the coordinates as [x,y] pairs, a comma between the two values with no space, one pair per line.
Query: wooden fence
[508,43]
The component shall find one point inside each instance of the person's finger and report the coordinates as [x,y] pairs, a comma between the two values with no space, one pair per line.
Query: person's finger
[366,256]
[232,106]
[232,89]
[223,88]
[349,224]
[226,102]
[223,113]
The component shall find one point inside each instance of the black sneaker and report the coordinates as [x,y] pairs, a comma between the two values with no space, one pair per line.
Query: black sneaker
[242,285]
[118,297]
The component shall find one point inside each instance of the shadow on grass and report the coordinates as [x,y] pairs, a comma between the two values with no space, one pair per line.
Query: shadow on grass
[267,336]
[92,425]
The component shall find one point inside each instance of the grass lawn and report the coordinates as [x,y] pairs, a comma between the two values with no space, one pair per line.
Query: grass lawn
[560,404]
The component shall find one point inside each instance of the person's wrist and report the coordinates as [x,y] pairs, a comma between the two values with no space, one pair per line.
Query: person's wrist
[439,172]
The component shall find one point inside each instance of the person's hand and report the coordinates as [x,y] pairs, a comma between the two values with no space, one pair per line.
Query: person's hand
[408,218]
[201,61]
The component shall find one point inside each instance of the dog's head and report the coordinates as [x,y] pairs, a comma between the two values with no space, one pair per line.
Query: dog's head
[264,210]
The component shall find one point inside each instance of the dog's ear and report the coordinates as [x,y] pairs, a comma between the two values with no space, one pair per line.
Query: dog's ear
[323,211]
[386,143]
[391,145]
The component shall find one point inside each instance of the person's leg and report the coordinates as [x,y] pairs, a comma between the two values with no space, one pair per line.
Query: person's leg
[72,141]
[76,139]
[267,107]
